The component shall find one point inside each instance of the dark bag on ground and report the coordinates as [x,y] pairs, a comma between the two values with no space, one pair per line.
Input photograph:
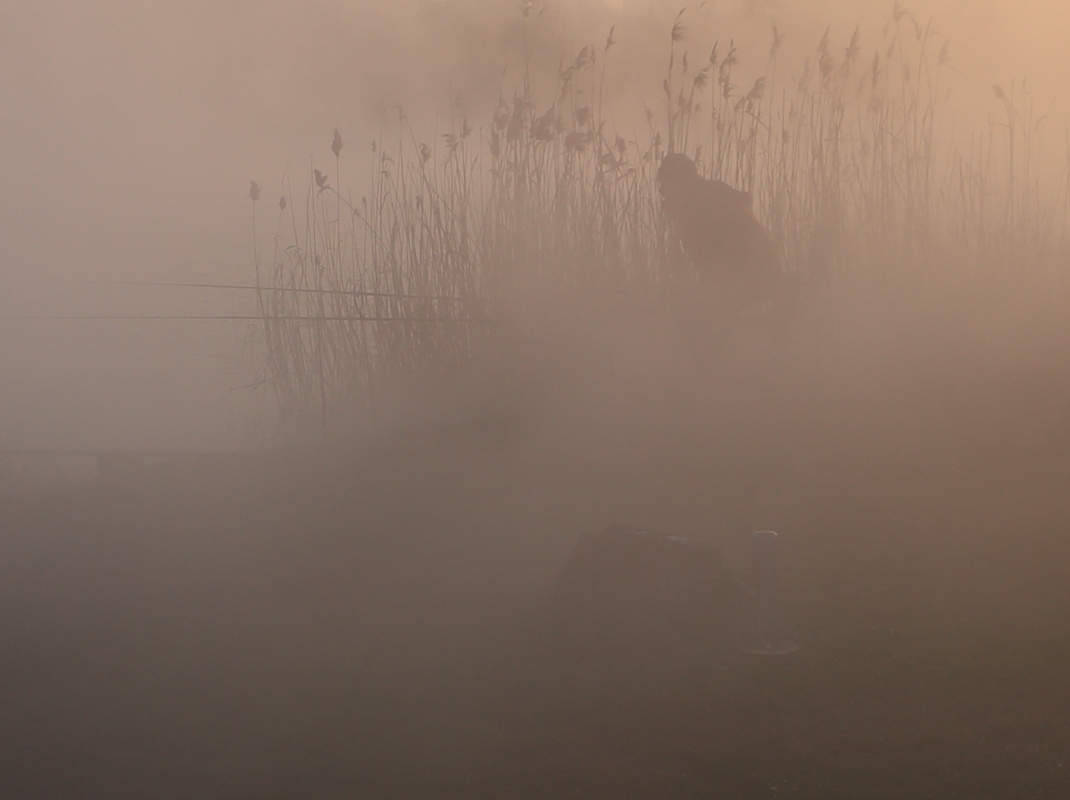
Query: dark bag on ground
[630,589]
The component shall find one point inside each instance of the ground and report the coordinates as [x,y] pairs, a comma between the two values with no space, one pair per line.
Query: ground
[368,618]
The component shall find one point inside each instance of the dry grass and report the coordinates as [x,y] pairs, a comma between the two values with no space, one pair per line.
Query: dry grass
[853,166]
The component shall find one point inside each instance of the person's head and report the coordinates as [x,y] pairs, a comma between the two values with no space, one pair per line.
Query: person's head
[676,168]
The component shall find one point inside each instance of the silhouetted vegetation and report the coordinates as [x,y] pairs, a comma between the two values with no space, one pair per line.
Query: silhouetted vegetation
[851,166]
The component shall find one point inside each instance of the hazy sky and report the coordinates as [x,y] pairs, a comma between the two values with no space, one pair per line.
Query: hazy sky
[130,129]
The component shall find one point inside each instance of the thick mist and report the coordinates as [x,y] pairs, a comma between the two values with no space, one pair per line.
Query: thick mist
[130,133]
[312,553]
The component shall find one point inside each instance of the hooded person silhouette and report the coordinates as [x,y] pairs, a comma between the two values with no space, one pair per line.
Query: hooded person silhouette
[731,251]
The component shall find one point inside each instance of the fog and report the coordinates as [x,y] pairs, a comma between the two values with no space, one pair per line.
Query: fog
[130,132]
[247,555]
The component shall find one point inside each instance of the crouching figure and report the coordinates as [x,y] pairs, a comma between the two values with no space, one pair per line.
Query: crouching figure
[732,253]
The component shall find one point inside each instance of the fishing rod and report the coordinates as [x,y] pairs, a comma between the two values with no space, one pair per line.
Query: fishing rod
[232,317]
[291,289]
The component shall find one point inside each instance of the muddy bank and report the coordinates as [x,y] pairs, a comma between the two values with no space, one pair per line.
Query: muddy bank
[369,618]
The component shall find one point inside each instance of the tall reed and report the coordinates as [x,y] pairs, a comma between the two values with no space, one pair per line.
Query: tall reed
[851,165]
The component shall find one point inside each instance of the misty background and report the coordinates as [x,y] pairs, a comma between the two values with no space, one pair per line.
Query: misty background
[129,133]
[376,616]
